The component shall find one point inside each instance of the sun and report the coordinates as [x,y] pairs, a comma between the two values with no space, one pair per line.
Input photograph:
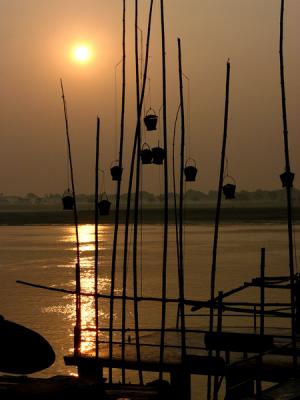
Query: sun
[82,53]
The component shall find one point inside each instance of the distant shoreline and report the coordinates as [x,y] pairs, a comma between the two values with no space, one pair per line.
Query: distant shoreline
[192,215]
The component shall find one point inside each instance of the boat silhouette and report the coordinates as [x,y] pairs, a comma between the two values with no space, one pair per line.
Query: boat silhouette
[22,350]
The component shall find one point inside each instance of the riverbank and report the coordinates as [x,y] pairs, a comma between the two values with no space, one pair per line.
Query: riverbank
[192,215]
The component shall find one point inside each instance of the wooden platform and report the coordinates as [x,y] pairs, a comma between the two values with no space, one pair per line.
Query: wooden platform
[197,360]
[287,390]
[235,365]
[70,388]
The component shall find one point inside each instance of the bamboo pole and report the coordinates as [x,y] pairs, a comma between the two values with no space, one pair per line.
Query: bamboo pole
[219,199]
[168,300]
[217,218]
[262,318]
[127,217]
[181,262]
[96,241]
[262,291]
[136,198]
[288,189]
[101,295]
[217,379]
[117,209]
[175,205]
[166,185]
[77,330]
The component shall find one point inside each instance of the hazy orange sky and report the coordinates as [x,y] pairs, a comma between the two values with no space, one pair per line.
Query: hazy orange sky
[37,37]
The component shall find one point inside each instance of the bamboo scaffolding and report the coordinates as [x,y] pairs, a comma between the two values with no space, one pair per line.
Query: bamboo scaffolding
[205,304]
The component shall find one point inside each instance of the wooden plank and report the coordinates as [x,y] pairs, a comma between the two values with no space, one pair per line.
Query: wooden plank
[57,387]
[70,388]
[237,389]
[240,342]
[201,365]
[152,391]
[274,368]
[287,390]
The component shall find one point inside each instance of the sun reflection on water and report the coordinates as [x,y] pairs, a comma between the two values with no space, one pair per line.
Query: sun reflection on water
[87,275]
[86,235]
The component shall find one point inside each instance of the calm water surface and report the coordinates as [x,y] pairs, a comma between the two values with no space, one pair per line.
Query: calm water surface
[46,255]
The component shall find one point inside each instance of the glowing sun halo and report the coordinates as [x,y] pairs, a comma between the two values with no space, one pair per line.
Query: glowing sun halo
[82,53]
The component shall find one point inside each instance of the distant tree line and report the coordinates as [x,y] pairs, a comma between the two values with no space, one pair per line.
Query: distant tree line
[191,197]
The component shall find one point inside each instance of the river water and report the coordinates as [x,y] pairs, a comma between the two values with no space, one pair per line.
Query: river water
[46,255]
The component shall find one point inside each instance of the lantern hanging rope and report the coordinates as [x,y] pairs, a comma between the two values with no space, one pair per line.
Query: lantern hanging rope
[140,78]
[149,94]
[226,173]
[103,180]
[116,108]
[229,185]
[226,167]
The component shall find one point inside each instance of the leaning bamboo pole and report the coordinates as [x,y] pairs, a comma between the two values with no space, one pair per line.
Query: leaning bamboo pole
[217,217]
[127,215]
[181,261]
[117,208]
[77,330]
[288,189]
[218,208]
[166,186]
[136,197]
[174,193]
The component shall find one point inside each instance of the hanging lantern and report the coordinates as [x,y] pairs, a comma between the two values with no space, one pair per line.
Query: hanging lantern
[104,205]
[146,154]
[190,171]
[116,171]
[229,187]
[68,200]
[229,191]
[150,120]
[158,155]
[287,179]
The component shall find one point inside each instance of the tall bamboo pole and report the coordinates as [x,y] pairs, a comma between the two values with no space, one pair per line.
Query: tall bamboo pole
[77,330]
[96,241]
[181,261]
[262,316]
[136,197]
[117,209]
[217,217]
[127,217]
[166,190]
[288,188]
[218,208]
[174,195]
